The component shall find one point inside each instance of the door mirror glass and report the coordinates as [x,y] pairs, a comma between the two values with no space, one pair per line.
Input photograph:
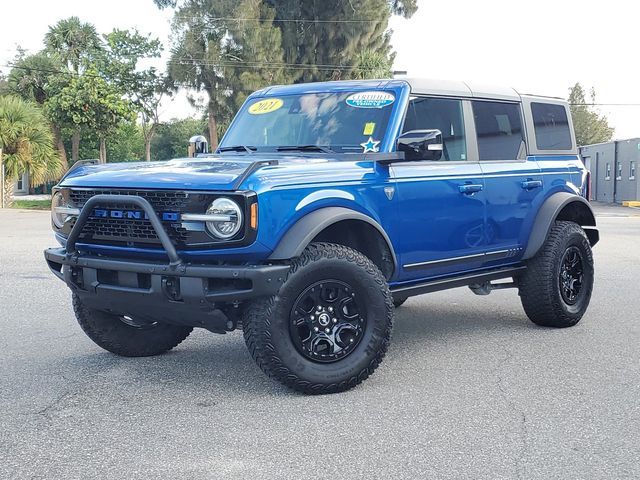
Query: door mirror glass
[421,144]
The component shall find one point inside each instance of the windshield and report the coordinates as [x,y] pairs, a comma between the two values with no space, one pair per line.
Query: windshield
[343,122]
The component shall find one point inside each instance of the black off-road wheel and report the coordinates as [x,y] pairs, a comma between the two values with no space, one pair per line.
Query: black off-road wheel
[126,336]
[329,326]
[556,287]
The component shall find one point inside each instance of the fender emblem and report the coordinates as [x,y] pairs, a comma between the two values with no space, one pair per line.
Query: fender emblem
[389,191]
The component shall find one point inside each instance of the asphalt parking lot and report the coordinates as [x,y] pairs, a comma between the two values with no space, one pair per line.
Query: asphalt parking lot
[470,389]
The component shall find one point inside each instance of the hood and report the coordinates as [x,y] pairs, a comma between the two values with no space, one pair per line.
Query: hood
[225,172]
[212,173]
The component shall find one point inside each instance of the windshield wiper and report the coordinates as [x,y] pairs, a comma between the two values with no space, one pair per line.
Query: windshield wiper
[305,148]
[238,148]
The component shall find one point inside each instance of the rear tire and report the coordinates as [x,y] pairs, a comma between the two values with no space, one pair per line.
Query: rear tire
[329,288]
[557,285]
[123,336]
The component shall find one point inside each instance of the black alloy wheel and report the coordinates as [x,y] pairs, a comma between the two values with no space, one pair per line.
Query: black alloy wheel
[571,275]
[326,323]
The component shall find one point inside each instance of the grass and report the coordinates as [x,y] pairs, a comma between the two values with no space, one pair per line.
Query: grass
[32,204]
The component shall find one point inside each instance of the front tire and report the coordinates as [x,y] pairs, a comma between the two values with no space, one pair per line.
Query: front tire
[556,287]
[125,336]
[329,326]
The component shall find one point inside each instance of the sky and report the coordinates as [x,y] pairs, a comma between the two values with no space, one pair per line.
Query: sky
[541,47]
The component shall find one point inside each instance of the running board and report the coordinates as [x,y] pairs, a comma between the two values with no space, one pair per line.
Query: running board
[455,282]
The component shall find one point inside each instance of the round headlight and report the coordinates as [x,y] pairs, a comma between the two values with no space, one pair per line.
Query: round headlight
[58,218]
[230,218]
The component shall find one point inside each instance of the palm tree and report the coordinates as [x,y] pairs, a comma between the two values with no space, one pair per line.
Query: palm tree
[74,42]
[27,144]
[32,80]
[372,64]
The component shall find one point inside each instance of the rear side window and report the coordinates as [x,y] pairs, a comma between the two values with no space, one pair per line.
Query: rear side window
[499,130]
[552,126]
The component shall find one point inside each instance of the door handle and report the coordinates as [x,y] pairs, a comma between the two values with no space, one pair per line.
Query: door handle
[470,188]
[531,184]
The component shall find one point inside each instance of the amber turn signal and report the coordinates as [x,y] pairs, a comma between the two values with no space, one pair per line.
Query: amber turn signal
[254,216]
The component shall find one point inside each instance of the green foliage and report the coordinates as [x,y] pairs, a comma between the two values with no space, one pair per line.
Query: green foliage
[35,77]
[90,102]
[326,43]
[172,137]
[26,141]
[126,144]
[256,44]
[225,58]
[589,125]
[144,88]
[120,65]
[32,204]
[371,64]
[74,41]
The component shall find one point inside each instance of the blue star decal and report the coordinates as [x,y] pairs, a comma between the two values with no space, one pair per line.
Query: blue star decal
[370,145]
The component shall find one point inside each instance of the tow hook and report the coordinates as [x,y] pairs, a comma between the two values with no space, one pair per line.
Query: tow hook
[171,288]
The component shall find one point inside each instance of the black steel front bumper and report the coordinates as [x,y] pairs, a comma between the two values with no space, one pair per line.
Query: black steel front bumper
[175,292]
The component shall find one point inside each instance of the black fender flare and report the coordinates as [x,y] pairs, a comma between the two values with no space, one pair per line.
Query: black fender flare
[300,235]
[548,214]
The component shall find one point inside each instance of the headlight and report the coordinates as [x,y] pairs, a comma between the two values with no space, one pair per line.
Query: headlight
[61,210]
[230,215]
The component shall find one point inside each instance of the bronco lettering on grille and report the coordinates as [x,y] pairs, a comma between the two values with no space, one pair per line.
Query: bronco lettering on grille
[133,215]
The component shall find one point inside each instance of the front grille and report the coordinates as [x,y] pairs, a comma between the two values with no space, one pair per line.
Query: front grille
[160,200]
[134,232]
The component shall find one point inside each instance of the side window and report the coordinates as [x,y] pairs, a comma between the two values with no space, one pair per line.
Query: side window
[499,129]
[443,114]
[552,126]
[619,175]
[632,170]
[607,175]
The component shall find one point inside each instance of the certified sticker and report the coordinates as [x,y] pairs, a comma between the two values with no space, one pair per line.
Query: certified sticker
[371,99]
[266,106]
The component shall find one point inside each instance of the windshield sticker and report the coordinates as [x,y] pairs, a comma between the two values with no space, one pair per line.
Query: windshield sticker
[370,145]
[370,99]
[369,128]
[266,106]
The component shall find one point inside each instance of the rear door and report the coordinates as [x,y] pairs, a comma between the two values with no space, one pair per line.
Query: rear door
[440,224]
[512,180]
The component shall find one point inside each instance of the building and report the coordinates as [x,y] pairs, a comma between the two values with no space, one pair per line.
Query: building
[613,167]
[21,185]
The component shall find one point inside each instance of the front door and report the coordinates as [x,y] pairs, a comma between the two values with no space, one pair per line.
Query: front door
[440,227]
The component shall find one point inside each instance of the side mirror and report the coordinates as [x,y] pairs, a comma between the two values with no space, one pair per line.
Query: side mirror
[421,144]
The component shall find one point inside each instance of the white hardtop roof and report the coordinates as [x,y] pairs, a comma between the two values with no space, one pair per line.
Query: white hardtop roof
[454,88]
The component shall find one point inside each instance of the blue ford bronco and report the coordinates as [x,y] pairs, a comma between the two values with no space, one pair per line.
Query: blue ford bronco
[324,206]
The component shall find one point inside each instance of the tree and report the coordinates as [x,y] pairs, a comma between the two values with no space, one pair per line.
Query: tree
[330,35]
[225,48]
[35,78]
[27,143]
[172,138]
[90,102]
[76,43]
[589,125]
[144,88]
[370,64]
